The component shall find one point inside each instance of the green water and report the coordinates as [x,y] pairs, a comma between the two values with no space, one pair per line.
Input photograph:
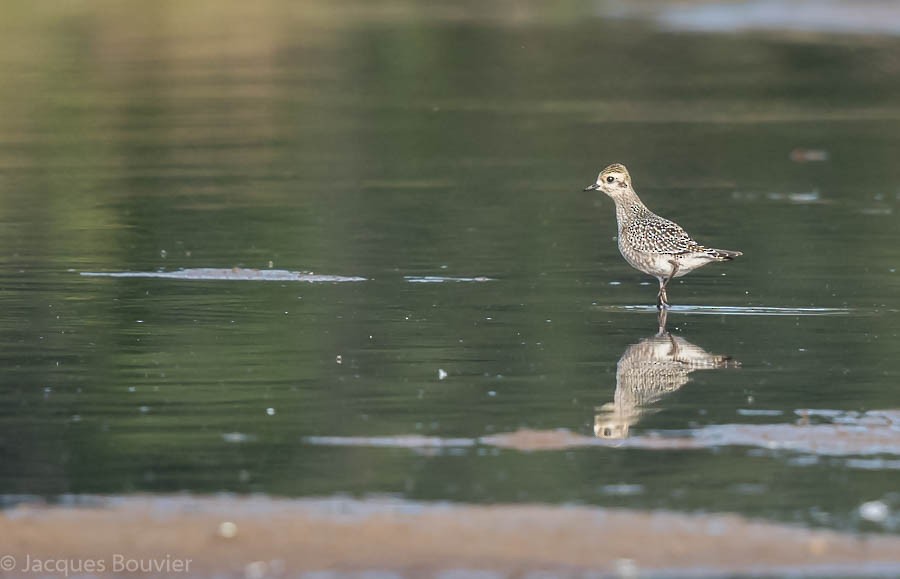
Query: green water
[433,143]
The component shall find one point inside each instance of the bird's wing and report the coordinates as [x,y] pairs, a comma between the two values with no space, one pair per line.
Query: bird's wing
[658,235]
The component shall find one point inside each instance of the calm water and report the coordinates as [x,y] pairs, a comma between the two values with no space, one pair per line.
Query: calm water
[400,144]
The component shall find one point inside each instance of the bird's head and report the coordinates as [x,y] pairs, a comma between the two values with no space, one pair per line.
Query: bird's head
[614,180]
[610,427]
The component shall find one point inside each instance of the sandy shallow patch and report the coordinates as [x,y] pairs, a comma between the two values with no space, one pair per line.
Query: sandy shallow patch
[876,432]
[227,536]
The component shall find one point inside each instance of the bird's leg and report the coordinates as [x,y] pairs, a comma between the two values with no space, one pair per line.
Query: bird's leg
[661,319]
[662,300]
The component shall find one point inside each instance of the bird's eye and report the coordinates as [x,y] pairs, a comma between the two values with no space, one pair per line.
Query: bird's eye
[610,179]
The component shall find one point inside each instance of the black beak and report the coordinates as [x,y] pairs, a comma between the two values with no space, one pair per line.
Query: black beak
[592,187]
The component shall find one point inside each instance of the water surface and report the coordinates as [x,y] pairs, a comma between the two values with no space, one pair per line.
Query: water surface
[439,157]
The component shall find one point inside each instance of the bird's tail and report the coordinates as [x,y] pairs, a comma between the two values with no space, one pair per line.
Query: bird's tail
[724,254]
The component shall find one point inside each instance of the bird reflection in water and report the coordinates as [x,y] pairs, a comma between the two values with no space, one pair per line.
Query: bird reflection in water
[649,371]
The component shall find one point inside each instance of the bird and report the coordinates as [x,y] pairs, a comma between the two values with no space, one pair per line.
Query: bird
[650,243]
[649,371]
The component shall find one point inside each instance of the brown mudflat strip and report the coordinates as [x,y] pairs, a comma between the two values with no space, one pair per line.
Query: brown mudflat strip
[259,536]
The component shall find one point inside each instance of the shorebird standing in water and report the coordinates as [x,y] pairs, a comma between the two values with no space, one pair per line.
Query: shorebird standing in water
[648,242]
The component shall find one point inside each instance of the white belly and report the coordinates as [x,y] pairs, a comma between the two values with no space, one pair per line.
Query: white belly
[660,265]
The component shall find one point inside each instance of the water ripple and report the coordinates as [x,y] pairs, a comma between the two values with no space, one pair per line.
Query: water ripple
[230,274]
[443,279]
[733,310]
